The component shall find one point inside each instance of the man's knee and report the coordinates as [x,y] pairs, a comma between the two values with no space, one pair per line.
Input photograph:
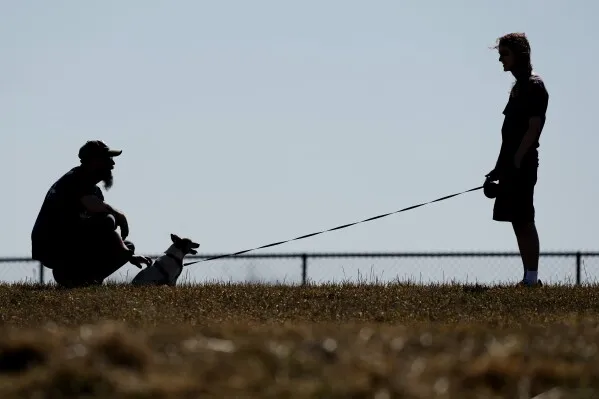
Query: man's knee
[108,222]
[97,233]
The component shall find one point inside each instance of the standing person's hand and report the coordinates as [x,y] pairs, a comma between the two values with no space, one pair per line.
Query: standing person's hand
[492,175]
[121,221]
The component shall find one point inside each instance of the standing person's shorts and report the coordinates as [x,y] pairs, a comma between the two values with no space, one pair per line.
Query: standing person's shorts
[90,256]
[515,197]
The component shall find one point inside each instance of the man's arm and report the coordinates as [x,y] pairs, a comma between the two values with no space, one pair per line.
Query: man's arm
[96,205]
[93,204]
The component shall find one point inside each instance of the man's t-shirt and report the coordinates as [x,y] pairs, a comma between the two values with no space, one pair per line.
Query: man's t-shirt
[61,212]
[529,98]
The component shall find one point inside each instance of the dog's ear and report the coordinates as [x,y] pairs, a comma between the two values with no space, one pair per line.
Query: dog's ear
[175,238]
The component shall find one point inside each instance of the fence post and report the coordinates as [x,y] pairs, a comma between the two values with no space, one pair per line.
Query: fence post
[304,268]
[578,256]
[41,273]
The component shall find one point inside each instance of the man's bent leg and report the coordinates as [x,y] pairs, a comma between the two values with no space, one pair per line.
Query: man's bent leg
[63,259]
[112,262]
[101,252]
[69,273]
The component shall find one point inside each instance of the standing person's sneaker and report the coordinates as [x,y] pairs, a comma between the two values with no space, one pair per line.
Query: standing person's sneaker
[526,283]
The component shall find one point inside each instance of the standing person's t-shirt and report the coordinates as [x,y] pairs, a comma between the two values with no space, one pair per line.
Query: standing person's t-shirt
[57,223]
[529,98]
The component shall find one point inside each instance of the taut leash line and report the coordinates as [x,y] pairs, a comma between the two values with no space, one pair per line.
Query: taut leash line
[338,227]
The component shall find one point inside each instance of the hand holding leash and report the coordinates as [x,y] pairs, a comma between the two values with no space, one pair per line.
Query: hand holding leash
[491,189]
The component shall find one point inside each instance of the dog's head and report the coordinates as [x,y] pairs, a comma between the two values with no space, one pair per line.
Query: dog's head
[186,245]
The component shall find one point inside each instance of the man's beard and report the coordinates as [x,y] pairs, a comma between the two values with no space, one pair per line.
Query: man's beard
[108,180]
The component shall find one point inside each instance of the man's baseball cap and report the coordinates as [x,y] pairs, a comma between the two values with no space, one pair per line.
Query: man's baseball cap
[97,149]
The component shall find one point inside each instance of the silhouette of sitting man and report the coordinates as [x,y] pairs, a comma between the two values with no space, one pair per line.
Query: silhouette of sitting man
[75,233]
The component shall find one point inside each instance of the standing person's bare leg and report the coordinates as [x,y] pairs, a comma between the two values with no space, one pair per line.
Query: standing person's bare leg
[528,244]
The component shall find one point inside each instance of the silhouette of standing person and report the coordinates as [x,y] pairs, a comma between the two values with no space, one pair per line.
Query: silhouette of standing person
[518,160]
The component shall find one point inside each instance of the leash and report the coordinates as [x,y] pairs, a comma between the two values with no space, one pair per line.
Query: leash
[336,228]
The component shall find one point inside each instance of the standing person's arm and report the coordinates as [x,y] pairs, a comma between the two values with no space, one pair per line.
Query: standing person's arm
[530,137]
[494,174]
[536,109]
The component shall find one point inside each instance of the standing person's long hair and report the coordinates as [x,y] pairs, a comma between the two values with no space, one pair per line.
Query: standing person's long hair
[518,44]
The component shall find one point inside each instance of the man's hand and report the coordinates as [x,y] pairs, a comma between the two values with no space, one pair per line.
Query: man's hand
[121,221]
[137,260]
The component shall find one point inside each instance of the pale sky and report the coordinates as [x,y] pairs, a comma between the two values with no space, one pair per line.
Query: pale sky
[245,123]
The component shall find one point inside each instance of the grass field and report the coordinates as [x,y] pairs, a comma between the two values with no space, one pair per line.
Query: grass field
[335,341]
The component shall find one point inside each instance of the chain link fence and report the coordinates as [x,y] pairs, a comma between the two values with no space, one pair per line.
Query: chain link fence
[19,270]
[565,268]
[299,268]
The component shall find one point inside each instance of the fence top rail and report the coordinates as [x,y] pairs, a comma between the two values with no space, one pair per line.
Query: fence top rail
[458,254]
[434,254]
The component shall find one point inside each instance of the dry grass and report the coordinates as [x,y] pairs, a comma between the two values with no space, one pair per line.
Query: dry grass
[222,340]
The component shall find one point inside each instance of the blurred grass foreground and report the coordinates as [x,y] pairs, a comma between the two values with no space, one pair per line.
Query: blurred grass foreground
[314,341]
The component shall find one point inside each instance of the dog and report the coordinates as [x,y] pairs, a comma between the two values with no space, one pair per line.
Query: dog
[168,267]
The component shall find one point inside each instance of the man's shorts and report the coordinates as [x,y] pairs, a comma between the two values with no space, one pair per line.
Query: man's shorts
[515,198]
